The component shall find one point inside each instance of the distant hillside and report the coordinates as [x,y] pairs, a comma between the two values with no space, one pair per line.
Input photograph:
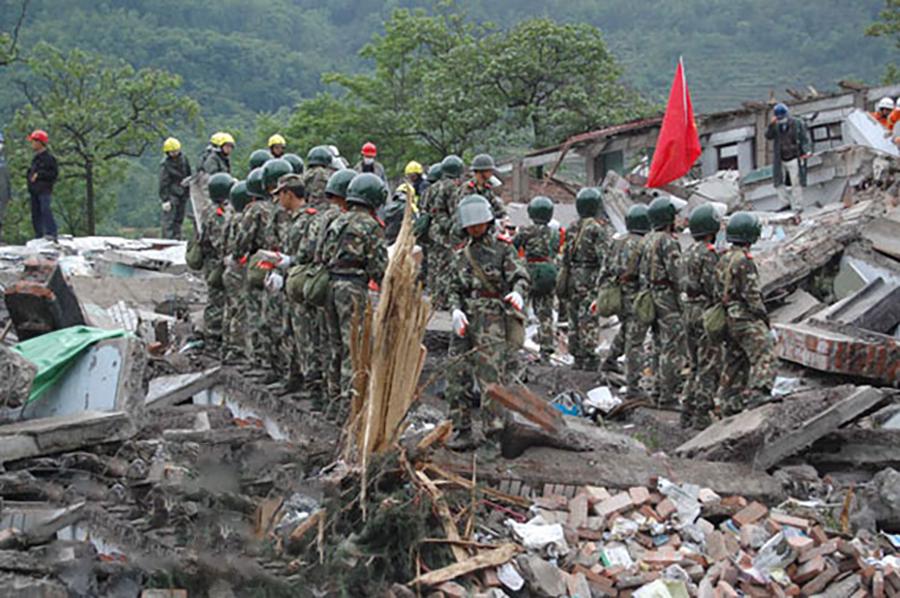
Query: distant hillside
[239,57]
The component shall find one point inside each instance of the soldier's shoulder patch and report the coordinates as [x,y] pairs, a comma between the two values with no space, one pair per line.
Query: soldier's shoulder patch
[470,184]
[312,211]
[220,211]
[504,237]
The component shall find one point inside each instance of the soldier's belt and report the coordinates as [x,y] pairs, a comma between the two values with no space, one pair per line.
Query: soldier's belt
[485,295]
[358,278]
[537,260]
[661,283]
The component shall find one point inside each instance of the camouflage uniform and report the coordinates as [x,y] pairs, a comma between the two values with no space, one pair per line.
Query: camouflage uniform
[354,253]
[660,271]
[699,282]
[485,354]
[540,244]
[486,191]
[250,239]
[443,235]
[215,161]
[749,359]
[234,280]
[171,172]
[275,236]
[315,178]
[322,355]
[583,255]
[212,242]
[623,265]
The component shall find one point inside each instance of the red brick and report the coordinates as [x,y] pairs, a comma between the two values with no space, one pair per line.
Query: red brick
[578,511]
[821,581]
[818,534]
[823,550]
[551,502]
[754,590]
[801,543]
[724,590]
[619,502]
[596,494]
[665,509]
[734,502]
[639,495]
[811,569]
[783,519]
[878,585]
[715,547]
[750,514]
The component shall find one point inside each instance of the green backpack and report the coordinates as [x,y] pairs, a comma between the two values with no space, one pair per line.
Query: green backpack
[259,267]
[715,317]
[644,308]
[609,299]
[315,287]
[193,254]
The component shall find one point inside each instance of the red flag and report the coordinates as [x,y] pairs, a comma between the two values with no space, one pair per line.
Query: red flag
[678,145]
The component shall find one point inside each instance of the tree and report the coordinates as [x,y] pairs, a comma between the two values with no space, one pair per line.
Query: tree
[9,42]
[98,113]
[888,25]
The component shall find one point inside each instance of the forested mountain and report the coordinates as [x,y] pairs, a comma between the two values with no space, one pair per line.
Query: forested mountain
[249,64]
[246,56]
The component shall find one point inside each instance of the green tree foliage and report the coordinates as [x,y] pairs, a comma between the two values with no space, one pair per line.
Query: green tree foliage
[98,113]
[9,40]
[888,25]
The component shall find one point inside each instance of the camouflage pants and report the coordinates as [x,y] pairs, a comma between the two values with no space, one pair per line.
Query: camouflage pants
[173,220]
[543,311]
[748,370]
[345,298]
[234,316]
[481,358]
[617,346]
[273,314]
[668,332]
[584,330]
[705,358]
[213,314]
[635,332]
[440,263]
[253,310]
[312,350]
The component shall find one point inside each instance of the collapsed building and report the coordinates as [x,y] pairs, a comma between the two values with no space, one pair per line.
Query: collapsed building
[135,464]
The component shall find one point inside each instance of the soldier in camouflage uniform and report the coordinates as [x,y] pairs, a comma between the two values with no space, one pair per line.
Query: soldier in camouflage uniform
[318,171]
[355,253]
[212,240]
[174,172]
[698,283]
[234,317]
[480,184]
[540,245]
[584,253]
[441,238]
[623,265]
[274,237]
[248,241]
[487,293]
[749,360]
[660,274]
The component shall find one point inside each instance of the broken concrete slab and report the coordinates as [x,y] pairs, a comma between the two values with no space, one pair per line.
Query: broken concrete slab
[856,449]
[167,391]
[797,306]
[49,435]
[39,523]
[17,374]
[765,436]
[875,307]
[540,466]
[884,234]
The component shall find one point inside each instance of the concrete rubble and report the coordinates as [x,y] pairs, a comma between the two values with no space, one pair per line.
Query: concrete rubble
[150,469]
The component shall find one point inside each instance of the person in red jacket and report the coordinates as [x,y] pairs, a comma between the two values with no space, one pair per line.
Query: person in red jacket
[42,175]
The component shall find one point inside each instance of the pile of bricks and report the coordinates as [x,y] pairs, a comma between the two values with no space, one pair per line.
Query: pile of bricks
[646,542]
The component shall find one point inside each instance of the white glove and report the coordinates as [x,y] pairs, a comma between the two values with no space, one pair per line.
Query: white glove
[515,299]
[274,282]
[460,322]
[228,261]
[284,261]
[167,206]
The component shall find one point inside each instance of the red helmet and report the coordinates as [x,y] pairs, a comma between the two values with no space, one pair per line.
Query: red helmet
[39,135]
[369,150]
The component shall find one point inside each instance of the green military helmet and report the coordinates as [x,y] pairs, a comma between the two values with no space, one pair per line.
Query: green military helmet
[662,212]
[319,156]
[339,181]
[452,166]
[220,186]
[434,173]
[705,220]
[743,228]
[540,209]
[589,202]
[239,196]
[255,183]
[482,162]
[274,170]
[367,189]
[474,210]
[259,157]
[295,161]
[637,219]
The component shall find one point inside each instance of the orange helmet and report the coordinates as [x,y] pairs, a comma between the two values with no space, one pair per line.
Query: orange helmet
[369,150]
[39,135]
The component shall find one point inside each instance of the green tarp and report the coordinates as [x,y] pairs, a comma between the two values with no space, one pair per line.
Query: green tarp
[53,353]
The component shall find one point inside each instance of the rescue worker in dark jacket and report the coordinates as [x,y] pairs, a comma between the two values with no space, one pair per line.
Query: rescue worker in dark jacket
[42,175]
[174,171]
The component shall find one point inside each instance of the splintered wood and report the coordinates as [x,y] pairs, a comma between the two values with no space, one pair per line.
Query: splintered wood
[388,355]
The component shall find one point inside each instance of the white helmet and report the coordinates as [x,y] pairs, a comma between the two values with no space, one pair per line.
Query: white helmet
[885,104]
